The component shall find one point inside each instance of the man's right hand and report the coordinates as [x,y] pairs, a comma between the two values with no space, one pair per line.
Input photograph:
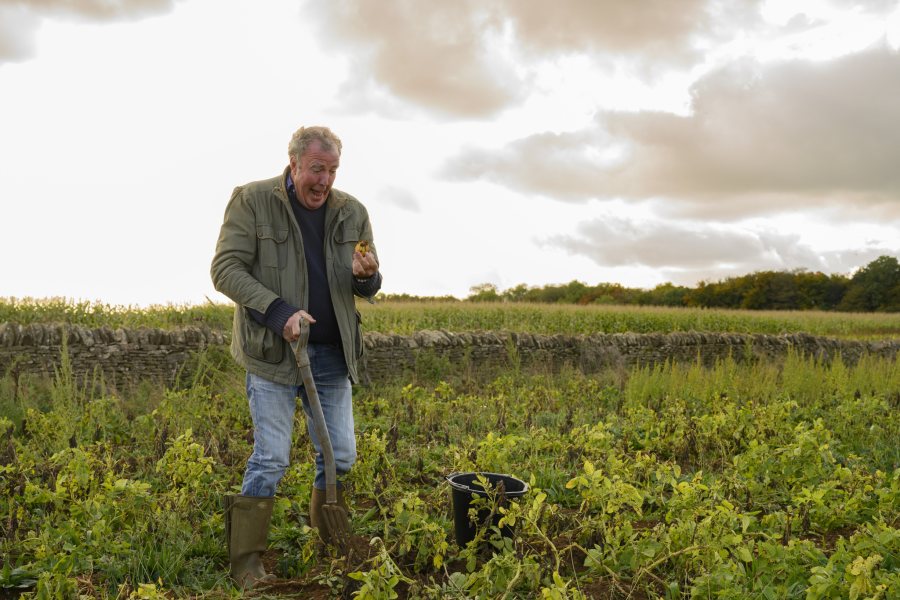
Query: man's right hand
[292,328]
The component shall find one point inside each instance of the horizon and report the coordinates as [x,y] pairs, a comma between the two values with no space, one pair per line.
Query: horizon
[396,295]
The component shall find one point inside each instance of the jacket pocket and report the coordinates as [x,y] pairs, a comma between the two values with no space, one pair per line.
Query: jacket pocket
[345,239]
[261,343]
[272,246]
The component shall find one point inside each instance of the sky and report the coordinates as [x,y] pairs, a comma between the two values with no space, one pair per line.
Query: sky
[493,141]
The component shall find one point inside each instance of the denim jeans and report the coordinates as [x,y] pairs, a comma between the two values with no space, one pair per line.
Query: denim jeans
[272,407]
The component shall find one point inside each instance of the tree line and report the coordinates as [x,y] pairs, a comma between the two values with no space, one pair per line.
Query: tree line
[873,288]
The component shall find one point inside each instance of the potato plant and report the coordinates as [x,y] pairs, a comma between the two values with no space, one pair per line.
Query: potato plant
[740,480]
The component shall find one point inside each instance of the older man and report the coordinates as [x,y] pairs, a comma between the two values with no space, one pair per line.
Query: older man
[286,251]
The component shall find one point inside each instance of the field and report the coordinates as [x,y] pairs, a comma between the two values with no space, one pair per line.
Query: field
[741,480]
[407,317]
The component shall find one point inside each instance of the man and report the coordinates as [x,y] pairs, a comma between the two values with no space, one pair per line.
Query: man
[286,251]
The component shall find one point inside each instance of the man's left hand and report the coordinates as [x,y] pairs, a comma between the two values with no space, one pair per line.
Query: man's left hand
[364,266]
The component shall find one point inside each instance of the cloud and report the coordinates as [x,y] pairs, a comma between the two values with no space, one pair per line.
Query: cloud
[400,198]
[613,241]
[878,7]
[686,252]
[20,19]
[17,27]
[474,58]
[760,138]
[435,55]
[657,30]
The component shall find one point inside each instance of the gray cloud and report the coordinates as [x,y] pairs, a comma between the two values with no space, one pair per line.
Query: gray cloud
[471,58]
[435,55]
[20,19]
[760,138]
[657,30]
[400,198]
[613,241]
[686,253]
[97,9]
[878,7]
[17,27]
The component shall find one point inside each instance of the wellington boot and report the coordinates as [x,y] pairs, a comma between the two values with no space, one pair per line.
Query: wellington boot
[246,531]
[316,519]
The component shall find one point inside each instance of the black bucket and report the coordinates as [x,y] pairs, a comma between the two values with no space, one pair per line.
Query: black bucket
[465,486]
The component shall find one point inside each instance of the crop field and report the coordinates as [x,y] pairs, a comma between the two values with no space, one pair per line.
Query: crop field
[404,318]
[738,480]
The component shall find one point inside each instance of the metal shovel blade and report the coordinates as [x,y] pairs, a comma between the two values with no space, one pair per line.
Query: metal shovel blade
[334,516]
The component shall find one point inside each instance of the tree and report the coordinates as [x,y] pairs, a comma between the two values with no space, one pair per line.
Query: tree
[874,287]
[664,294]
[819,291]
[723,294]
[483,292]
[772,290]
[516,294]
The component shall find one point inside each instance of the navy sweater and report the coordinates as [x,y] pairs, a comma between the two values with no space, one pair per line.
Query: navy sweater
[312,229]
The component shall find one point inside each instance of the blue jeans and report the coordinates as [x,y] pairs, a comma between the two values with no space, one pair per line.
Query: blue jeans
[272,407]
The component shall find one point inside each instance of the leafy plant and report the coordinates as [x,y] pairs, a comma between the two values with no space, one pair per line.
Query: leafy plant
[740,479]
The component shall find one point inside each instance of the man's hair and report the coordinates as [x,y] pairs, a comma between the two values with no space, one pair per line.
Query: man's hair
[304,136]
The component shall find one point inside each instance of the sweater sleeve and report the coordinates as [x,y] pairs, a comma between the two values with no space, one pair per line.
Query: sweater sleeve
[367,288]
[276,315]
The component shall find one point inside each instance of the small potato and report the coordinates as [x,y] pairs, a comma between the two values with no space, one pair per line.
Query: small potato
[362,246]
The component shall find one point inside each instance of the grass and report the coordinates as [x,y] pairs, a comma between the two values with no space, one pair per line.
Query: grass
[405,318]
[99,314]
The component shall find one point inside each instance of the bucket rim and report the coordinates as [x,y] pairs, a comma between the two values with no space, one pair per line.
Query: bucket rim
[465,488]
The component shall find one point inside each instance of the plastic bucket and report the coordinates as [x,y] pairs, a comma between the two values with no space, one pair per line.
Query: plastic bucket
[464,487]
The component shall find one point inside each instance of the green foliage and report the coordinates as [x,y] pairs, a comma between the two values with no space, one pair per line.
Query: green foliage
[378,583]
[420,535]
[15,578]
[875,287]
[406,318]
[604,494]
[736,480]
[99,314]
[486,292]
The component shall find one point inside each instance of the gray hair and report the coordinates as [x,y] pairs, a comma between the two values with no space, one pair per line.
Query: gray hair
[304,136]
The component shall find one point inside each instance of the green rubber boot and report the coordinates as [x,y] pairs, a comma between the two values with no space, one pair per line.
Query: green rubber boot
[246,532]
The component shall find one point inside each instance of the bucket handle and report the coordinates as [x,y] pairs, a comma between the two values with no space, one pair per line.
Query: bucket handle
[455,473]
[470,489]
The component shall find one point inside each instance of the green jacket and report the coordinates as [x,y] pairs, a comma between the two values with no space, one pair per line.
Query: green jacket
[259,258]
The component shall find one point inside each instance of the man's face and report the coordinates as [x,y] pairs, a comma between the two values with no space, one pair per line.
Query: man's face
[313,175]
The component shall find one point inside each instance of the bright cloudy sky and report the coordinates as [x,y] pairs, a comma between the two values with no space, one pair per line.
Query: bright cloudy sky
[493,141]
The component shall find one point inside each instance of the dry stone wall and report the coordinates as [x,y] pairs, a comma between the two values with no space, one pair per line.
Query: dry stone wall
[122,355]
[591,353]
[137,354]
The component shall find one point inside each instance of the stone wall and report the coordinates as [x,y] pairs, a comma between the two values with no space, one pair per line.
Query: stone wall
[122,355]
[591,353]
[125,355]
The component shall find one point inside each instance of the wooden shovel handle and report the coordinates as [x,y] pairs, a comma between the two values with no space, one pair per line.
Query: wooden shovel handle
[321,429]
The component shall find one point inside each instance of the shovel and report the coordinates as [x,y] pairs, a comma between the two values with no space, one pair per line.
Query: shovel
[334,516]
